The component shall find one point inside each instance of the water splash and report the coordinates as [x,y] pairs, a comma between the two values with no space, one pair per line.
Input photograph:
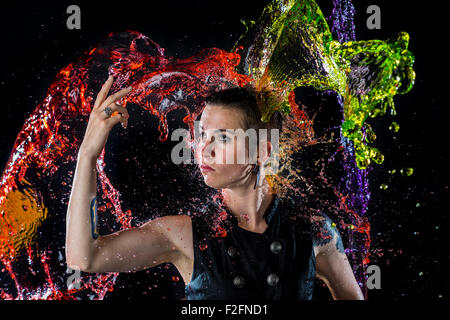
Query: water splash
[51,135]
[289,46]
[292,46]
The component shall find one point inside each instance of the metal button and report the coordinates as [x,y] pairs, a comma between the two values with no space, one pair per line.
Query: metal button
[239,281]
[232,251]
[276,247]
[273,279]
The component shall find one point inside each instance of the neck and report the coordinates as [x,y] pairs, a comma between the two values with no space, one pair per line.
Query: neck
[248,205]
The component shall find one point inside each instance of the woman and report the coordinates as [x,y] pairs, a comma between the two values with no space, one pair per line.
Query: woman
[260,254]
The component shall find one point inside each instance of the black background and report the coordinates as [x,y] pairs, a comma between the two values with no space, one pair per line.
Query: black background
[408,219]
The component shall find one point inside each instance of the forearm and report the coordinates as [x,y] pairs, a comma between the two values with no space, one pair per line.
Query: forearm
[81,212]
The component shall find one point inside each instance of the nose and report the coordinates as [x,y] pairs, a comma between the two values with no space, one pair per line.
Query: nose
[207,148]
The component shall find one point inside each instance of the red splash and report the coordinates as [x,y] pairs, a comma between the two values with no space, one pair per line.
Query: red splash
[51,135]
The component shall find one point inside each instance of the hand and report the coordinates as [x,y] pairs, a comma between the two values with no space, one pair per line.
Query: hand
[100,124]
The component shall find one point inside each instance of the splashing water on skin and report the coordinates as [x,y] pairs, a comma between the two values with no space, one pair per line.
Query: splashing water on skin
[290,46]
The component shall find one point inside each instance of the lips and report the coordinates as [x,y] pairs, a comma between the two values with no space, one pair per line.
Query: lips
[205,167]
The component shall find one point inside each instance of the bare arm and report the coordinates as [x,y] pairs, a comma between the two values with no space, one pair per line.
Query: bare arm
[128,250]
[79,223]
[332,265]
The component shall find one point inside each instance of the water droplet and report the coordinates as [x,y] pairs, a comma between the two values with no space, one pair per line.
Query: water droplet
[394,127]
[406,172]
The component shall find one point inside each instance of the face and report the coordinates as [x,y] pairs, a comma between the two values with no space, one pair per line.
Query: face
[220,148]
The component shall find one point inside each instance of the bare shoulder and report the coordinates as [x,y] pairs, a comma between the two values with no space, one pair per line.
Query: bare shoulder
[325,234]
[177,229]
[168,224]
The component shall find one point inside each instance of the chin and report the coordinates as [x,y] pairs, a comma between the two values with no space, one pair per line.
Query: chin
[210,182]
[213,181]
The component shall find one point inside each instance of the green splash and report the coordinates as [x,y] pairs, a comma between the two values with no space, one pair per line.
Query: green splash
[291,46]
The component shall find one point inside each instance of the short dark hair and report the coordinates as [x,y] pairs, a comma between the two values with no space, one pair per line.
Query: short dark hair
[245,99]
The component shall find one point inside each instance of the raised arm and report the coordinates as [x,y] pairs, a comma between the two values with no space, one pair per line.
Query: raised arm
[153,243]
[332,265]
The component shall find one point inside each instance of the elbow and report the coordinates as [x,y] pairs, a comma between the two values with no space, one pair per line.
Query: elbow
[79,264]
[77,259]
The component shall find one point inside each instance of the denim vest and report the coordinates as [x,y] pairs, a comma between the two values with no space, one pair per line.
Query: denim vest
[231,263]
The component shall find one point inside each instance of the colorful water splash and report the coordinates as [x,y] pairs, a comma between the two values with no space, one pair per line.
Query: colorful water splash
[354,184]
[289,46]
[51,136]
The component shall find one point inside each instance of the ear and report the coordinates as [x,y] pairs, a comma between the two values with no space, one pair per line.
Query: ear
[265,151]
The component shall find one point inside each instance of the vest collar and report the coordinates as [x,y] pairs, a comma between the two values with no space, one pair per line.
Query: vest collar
[271,212]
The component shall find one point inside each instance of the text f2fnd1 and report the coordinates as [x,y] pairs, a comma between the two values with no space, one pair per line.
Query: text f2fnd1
[228,309]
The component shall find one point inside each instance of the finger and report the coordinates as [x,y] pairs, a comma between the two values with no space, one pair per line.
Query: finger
[115,107]
[125,123]
[113,120]
[116,96]
[101,96]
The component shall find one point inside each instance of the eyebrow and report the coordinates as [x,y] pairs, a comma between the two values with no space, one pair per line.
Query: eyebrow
[221,130]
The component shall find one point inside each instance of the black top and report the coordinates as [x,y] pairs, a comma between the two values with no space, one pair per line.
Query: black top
[231,263]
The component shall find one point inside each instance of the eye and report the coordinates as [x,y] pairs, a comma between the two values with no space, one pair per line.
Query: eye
[223,138]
